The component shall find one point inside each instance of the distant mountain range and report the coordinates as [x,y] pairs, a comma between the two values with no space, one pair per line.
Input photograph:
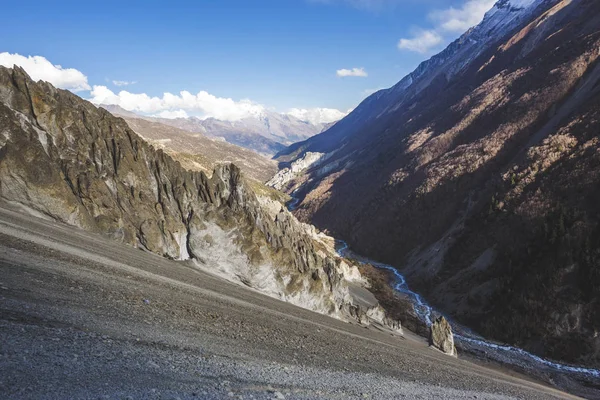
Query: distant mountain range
[267,132]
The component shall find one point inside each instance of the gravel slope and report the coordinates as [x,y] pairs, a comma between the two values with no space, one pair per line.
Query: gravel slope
[84,317]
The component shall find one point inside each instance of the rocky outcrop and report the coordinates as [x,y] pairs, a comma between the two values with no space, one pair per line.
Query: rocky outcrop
[477,175]
[65,159]
[441,336]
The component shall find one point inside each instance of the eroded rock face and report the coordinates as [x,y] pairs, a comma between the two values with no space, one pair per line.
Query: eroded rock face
[441,336]
[62,157]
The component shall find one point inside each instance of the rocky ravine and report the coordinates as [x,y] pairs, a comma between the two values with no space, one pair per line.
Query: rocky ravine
[477,175]
[63,158]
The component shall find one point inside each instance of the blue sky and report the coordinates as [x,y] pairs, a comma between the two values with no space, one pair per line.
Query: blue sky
[281,54]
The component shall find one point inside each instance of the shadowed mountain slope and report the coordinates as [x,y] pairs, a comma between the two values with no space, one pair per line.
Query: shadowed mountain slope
[478,176]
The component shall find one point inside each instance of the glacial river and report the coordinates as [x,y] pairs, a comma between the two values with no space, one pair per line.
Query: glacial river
[463,336]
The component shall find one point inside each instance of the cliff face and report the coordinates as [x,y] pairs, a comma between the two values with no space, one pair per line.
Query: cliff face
[478,176]
[63,158]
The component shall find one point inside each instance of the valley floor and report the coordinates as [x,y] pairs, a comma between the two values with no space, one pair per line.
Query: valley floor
[82,316]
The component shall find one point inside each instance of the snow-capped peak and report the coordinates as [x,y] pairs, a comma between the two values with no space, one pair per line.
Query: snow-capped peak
[499,20]
[502,17]
[317,116]
[519,3]
[511,6]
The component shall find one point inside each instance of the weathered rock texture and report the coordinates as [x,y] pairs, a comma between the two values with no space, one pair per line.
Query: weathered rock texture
[441,336]
[63,158]
[478,175]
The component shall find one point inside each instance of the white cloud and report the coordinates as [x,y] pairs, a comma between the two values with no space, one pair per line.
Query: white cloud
[203,104]
[421,42]
[351,72]
[447,23]
[172,114]
[124,83]
[39,68]
[458,20]
[317,115]
[182,105]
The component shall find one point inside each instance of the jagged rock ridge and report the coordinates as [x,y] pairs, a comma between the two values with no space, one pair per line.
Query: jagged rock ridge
[63,158]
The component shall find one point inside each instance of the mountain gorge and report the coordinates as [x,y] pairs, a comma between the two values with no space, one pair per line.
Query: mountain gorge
[477,176]
[63,159]
[441,240]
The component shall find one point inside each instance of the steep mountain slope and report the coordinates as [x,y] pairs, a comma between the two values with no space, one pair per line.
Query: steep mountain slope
[196,151]
[478,176]
[266,132]
[83,317]
[430,75]
[63,158]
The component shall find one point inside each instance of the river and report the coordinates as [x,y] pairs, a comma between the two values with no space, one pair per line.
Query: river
[463,336]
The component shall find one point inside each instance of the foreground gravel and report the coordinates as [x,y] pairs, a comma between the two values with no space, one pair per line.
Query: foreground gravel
[84,317]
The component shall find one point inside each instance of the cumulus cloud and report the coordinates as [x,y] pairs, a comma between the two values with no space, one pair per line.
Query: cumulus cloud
[39,68]
[458,20]
[181,105]
[317,115]
[172,114]
[202,104]
[360,72]
[124,83]
[447,22]
[421,42]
